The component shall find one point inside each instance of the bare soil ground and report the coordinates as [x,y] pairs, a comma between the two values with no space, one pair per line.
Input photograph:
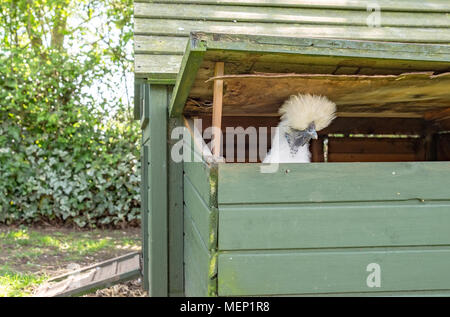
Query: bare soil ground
[29,256]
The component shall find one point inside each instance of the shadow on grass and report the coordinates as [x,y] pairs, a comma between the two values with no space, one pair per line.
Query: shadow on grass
[29,256]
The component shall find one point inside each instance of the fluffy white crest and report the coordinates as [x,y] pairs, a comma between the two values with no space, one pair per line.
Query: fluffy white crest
[300,110]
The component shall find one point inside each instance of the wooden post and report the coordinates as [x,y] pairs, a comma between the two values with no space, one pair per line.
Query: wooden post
[217,109]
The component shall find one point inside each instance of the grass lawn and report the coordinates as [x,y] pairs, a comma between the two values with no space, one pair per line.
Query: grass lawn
[29,256]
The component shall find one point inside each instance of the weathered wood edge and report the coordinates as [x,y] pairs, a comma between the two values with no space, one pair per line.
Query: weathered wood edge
[158,191]
[241,183]
[321,46]
[190,64]
[200,43]
[214,219]
[385,5]
[175,214]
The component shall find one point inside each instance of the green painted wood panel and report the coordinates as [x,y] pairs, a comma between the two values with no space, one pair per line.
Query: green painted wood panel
[202,215]
[162,45]
[303,47]
[286,226]
[157,182]
[199,176]
[385,5]
[286,15]
[190,64]
[162,27]
[333,182]
[175,216]
[144,214]
[161,67]
[396,34]
[327,271]
[197,260]
[439,293]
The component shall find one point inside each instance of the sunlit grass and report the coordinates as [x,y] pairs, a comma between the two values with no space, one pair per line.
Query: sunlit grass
[78,243]
[14,284]
[28,250]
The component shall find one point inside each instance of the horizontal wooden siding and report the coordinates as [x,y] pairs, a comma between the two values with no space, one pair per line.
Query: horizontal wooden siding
[162,27]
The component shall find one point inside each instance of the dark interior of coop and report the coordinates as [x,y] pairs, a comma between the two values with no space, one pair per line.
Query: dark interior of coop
[410,123]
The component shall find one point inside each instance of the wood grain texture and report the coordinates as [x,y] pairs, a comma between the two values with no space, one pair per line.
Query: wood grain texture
[284,272]
[385,5]
[375,149]
[285,15]
[265,93]
[157,66]
[333,182]
[190,63]
[159,45]
[168,27]
[342,125]
[217,108]
[290,226]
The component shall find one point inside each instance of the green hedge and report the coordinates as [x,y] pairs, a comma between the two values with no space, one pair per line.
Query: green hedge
[67,155]
[61,158]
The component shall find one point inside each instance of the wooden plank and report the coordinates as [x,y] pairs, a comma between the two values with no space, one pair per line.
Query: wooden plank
[144,26]
[145,109]
[374,145]
[164,45]
[443,147]
[287,226]
[189,67]
[88,279]
[204,218]
[375,157]
[286,272]
[162,67]
[217,109]
[439,293]
[247,44]
[157,182]
[199,176]
[145,214]
[341,125]
[317,150]
[385,5]
[138,99]
[175,216]
[197,260]
[333,182]
[286,15]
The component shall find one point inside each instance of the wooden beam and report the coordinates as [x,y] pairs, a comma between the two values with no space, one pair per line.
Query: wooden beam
[217,108]
[157,225]
[190,64]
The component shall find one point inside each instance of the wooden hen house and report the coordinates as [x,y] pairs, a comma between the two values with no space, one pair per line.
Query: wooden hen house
[369,216]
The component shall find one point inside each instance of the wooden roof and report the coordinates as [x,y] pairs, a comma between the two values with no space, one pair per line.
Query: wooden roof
[364,78]
[162,27]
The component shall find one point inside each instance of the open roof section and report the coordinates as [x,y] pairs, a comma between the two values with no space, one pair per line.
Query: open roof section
[249,54]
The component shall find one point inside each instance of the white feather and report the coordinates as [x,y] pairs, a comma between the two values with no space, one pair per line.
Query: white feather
[298,112]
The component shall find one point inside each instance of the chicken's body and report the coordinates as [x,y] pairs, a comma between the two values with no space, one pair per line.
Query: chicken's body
[301,117]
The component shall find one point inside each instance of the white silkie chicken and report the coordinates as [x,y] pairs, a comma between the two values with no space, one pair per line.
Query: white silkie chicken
[301,117]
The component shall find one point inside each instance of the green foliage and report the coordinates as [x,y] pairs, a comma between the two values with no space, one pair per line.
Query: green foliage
[68,151]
